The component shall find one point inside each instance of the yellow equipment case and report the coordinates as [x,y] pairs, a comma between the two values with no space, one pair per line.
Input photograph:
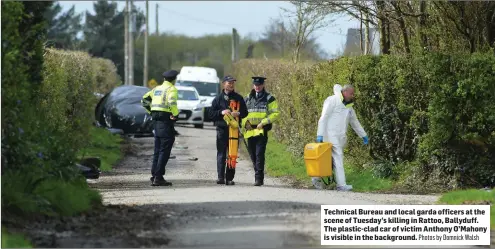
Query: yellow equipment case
[318,159]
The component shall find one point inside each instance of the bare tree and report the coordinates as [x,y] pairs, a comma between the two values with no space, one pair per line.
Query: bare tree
[304,21]
[277,36]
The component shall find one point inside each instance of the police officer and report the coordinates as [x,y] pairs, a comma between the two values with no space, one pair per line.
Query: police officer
[220,107]
[162,102]
[263,111]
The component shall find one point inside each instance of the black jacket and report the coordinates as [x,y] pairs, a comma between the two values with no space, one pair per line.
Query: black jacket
[220,103]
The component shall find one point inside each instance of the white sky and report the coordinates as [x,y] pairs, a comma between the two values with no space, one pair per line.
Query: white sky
[197,18]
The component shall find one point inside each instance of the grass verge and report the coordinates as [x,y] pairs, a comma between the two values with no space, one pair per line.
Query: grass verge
[471,196]
[281,163]
[10,240]
[106,146]
[32,193]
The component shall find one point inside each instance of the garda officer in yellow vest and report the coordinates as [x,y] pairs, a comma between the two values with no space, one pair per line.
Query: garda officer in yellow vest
[162,103]
[263,112]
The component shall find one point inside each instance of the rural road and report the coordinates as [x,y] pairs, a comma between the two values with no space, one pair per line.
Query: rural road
[196,212]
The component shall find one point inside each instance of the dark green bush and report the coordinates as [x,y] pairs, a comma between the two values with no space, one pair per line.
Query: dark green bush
[461,137]
[47,111]
[23,31]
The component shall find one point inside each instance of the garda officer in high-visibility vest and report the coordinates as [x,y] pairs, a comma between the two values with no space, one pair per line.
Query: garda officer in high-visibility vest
[162,103]
[263,112]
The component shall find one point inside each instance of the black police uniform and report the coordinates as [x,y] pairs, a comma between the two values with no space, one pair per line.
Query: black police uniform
[164,139]
[220,103]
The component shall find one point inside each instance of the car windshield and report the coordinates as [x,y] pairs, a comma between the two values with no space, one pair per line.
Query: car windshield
[187,95]
[203,88]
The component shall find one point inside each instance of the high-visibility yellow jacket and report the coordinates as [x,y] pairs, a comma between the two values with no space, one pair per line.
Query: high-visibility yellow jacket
[146,101]
[162,98]
[263,109]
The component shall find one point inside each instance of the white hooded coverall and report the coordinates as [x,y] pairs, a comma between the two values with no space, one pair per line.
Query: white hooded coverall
[332,126]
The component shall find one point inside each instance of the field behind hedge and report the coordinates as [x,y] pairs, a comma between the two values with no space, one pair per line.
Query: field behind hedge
[430,118]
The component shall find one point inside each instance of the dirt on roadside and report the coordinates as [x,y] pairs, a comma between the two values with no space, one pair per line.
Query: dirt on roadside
[102,226]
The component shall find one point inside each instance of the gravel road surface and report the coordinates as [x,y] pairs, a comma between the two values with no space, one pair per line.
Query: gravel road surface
[202,213]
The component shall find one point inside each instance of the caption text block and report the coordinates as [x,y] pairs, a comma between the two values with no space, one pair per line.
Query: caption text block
[405,224]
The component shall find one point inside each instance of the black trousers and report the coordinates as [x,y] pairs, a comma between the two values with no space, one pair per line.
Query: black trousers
[257,149]
[222,152]
[164,141]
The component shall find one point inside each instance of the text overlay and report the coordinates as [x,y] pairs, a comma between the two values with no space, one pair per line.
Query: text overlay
[405,224]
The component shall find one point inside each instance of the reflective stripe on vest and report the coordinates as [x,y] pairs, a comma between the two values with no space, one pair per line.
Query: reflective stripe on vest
[161,98]
[253,133]
[257,110]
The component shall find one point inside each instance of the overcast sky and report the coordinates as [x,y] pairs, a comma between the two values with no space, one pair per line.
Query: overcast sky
[197,18]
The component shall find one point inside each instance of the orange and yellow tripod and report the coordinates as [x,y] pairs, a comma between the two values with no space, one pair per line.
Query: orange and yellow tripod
[233,123]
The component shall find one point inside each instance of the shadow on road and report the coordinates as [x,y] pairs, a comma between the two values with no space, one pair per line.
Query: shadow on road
[251,224]
[145,183]
[224,224]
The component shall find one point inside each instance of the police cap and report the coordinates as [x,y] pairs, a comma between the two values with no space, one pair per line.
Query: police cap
[228,78]
[171,74]
[258,80]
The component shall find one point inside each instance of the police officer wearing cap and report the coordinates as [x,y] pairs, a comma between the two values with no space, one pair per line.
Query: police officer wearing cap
[220,107]
[263,112]
[162,103]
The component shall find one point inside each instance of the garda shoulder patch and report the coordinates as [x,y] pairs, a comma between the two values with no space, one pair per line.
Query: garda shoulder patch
[158,93]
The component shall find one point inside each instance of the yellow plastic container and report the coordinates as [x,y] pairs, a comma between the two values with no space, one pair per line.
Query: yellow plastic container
[318,159]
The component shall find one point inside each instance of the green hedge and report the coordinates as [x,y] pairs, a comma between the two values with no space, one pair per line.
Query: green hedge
[67,96]
[47,111]
[106,75]
[22,60]
[427,115]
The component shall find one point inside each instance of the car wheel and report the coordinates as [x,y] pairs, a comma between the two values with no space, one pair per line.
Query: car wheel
[199,126]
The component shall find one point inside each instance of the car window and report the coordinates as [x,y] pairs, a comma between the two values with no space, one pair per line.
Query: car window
[187,95]
[203,88]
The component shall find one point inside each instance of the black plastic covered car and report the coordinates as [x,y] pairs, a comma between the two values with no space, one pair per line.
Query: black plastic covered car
[121,109]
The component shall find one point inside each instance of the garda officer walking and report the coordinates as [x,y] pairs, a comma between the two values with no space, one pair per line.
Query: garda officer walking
[220,107]
[263,111]
[164,111]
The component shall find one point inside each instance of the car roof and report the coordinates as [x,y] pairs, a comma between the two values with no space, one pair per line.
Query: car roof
[188,88]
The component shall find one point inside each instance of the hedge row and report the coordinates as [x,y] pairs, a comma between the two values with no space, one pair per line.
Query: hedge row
[106,75]
[47,107]
[68,100]
[63,107]
[22,62]
[427,115]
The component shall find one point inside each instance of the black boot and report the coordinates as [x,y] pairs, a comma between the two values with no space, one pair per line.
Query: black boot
[230,183]
[220,181]
[161,182]
[258,182]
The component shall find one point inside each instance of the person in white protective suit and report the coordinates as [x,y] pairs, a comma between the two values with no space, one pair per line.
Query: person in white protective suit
[337,113]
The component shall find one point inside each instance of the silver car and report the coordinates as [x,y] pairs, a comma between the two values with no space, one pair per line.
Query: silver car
[191,106]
